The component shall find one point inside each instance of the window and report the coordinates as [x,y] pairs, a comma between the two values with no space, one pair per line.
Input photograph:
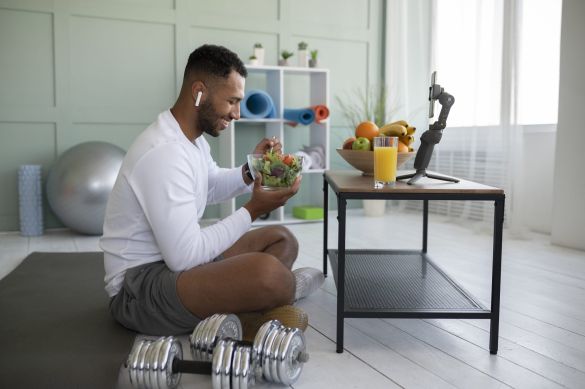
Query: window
[468,50]
[539,55]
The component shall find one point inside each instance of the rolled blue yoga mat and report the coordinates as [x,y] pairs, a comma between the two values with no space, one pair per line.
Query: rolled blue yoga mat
[257,104]
[301,115]
[30,200]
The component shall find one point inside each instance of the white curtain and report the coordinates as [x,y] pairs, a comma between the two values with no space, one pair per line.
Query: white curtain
[475,47]
[408,59]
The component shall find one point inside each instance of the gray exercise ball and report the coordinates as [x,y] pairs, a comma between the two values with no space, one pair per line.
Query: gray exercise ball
[80,182]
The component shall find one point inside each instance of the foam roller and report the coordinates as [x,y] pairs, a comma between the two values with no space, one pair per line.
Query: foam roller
[321,112]
[257,104]
[301,115]
[30,200]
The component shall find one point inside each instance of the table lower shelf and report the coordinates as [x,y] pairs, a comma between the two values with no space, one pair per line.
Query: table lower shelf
[401,283]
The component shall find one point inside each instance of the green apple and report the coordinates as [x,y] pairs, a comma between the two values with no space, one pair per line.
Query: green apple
[361,143]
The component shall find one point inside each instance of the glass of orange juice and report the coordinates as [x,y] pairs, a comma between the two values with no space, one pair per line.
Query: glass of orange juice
[385,158]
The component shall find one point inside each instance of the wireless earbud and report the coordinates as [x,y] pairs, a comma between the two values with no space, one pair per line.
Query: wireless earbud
[198,98]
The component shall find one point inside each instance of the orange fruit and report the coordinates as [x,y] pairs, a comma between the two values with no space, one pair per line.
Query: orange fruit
[367,130]
[402,148]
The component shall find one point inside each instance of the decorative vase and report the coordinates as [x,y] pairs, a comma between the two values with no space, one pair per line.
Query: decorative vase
[313,63]
[254,62]
[282,62]
[303,58]
[259,54]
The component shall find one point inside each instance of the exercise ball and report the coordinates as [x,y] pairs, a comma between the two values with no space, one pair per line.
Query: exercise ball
[80,182]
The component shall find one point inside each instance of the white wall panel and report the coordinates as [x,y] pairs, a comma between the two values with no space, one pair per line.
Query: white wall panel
[121,63]
[26,58]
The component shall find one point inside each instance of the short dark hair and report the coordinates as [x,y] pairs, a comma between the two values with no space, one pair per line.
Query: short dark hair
[214,60]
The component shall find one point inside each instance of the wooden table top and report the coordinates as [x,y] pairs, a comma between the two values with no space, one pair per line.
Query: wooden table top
[352,181]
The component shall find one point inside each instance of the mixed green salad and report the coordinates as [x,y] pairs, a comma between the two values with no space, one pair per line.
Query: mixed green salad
[277,170]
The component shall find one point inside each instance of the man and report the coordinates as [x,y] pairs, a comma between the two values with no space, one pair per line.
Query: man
[164,273]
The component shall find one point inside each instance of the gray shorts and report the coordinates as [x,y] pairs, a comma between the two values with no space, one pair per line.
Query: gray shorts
[149,304]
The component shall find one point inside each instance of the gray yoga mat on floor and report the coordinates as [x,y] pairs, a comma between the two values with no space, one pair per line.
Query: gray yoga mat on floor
[55,328]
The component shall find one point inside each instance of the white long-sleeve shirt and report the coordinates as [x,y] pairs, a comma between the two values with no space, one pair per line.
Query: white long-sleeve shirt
[160,194]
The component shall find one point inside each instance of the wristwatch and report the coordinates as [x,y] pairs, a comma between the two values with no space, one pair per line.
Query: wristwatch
[247,171]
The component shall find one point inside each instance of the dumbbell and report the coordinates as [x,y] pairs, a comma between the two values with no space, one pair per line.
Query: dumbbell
[157,364]
[265,347]
[277,354]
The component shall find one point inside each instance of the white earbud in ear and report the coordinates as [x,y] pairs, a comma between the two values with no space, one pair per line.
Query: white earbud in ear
[198,98]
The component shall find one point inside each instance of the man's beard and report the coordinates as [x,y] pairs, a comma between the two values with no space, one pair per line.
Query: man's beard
[207,120]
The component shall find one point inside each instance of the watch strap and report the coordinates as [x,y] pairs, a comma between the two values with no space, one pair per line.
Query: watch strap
[247,171]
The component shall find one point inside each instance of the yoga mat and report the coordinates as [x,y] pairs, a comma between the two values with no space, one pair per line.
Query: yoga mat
[257,104]
[301,115]
[321,112]
[30,204]
[55,328]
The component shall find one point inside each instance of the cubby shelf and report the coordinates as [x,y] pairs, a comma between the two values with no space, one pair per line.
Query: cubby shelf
[318,132]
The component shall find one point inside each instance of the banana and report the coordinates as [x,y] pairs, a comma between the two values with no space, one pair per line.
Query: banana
[393,130]
[401,122]
[410,130]
[406,139]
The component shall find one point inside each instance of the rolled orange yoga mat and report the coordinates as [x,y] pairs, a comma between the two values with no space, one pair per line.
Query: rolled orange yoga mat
[321,112]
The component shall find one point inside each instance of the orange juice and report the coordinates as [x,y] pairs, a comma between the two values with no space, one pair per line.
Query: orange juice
[385,159]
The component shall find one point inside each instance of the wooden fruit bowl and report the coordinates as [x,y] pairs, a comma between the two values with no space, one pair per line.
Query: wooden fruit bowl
[364,160]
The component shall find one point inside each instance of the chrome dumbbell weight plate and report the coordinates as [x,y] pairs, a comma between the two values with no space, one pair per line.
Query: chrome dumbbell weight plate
[291,356]
[142,364]
[222,363]
[209,331]
[206,334]
[242,369]
[259,341]
[169,351]
[267,353]
[273,361]
[279,352]
[132,361]
[150,363]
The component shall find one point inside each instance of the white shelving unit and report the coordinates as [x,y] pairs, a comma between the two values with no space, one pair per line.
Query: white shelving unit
[318,132]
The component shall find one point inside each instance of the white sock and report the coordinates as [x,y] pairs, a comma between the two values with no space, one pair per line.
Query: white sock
[308,280]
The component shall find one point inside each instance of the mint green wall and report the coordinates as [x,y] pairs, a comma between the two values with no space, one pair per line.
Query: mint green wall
[75,71]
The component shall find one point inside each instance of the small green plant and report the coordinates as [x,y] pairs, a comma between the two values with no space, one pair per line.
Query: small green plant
[303,45]
[257,45]
[286,54]
[253,57]
[314,54]
[373,104]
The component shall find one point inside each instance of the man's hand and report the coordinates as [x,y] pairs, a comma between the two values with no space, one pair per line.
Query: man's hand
[267,144]
[265,201]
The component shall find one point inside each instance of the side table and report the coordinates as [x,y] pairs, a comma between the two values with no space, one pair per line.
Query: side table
[406,283]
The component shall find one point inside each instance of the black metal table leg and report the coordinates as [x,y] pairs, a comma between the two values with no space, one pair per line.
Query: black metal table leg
[325,221]
[341,205]
[496,275]
[425,225]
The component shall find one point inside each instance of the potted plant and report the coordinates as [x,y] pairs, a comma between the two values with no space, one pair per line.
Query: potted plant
[313,60]
[372,103]
[259,53]
[253,60]
[303,54]
[285,56]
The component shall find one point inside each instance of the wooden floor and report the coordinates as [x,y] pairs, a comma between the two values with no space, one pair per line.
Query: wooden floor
[542,327]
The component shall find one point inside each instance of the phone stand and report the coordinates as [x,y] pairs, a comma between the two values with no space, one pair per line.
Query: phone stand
[432,136]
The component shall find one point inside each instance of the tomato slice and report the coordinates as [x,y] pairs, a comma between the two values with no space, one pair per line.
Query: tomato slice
[288,159]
